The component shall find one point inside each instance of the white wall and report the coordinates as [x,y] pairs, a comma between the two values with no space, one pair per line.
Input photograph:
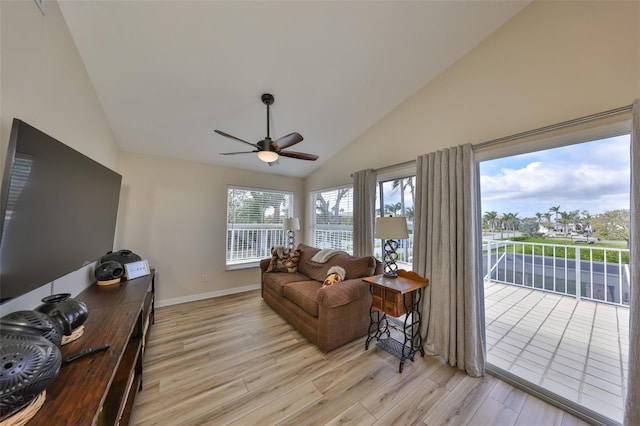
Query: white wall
[173,213]
[43,82]
[553,62]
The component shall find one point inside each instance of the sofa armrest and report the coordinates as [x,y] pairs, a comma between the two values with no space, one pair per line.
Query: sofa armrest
[342,293]
[264,264]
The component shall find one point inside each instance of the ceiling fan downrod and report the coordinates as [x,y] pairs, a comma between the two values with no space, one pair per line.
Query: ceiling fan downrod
[268,100]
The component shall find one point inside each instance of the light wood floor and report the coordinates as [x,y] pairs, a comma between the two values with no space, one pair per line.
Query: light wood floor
[233,360]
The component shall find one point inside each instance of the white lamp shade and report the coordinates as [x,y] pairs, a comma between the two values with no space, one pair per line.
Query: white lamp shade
[292,223]
[392,228]
[268,156]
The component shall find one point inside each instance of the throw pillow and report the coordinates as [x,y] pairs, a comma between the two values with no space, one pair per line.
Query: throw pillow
[283,259]
[335,274]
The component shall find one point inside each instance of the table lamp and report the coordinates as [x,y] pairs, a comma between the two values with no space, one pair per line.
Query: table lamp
[391,229]
[291,224]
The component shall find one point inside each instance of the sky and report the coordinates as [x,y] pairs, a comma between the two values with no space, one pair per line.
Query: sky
[592,176]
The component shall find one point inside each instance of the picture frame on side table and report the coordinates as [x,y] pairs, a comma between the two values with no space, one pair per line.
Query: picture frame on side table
[136,269]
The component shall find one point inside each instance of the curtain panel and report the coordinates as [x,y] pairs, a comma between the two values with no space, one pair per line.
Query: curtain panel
[447,250]
[364,211]
[632,406]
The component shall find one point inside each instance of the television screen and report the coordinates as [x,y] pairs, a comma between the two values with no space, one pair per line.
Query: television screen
[58,211]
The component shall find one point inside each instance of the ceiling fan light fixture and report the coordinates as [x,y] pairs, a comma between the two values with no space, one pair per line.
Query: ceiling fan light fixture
[268,156]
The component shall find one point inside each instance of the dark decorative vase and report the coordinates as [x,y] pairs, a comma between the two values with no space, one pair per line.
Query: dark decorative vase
[29,364]
[69,312]
[33,324]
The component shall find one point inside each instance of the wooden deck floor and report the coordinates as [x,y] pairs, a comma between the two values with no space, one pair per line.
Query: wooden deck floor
[577,349]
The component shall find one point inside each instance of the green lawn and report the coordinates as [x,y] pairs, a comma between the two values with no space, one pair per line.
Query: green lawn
[594,252]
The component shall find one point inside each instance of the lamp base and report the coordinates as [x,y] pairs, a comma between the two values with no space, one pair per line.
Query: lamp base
[389,257]
[291,239]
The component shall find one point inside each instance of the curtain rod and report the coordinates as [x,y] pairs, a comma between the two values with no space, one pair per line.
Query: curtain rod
[393,166]
[556,126]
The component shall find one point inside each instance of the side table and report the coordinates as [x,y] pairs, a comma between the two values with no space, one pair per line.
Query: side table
[396,297]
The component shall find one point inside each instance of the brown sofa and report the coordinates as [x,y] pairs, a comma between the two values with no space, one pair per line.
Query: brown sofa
[328,316]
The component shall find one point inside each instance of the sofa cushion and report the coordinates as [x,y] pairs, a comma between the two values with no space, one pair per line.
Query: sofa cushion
[304,294]
[343,293]
[276,281]
[356,267]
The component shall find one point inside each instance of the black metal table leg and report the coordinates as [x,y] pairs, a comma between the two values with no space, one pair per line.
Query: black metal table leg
[411,328]
[378,326]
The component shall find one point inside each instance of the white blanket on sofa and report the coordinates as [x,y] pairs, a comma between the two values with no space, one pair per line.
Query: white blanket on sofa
[325,254]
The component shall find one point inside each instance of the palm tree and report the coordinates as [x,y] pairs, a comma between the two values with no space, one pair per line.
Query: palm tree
[539,217]
[491,218]
[511,221]
[547,217]
[515,222]
[556,210]
[565,220]
[586,221]
[404,184]
[393,208]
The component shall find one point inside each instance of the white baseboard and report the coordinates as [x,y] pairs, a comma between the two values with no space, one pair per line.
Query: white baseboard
[208,295]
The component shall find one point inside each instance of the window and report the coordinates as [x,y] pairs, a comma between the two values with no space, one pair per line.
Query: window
[397,196]
[254,224]
[333,219]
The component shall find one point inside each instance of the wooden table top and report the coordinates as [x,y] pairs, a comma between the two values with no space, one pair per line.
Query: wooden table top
[399,284]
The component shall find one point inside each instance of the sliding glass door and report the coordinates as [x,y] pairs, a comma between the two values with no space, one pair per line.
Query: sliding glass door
[556,271]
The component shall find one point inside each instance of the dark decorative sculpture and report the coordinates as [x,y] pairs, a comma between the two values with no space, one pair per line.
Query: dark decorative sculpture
[109,270]
[29,364]
[122,257]
[69,312]
[30,357]
[34,324]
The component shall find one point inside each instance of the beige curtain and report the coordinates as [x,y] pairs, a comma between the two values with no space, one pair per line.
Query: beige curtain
[447,249]
[364,211]
[632,406]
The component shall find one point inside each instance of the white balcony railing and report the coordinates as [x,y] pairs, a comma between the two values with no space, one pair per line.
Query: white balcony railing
[250,243]
[338,237]
[599,274]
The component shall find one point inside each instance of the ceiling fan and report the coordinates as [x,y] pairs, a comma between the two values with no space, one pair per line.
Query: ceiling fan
[269,150]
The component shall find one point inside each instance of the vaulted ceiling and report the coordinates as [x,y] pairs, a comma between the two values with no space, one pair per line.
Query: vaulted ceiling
[168,73]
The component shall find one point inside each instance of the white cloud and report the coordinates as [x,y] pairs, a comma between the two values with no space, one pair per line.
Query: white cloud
[593,177]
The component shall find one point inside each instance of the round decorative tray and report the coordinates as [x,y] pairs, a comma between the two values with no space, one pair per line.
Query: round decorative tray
[109,282]
[23,416]
[76,334]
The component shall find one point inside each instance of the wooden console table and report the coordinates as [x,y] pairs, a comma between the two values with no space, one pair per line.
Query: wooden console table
[396,297]
[99,389]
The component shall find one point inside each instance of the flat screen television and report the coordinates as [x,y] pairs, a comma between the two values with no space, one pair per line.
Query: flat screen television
[58,211]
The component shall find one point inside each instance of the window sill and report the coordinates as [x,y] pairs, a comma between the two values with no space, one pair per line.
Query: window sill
[236,266]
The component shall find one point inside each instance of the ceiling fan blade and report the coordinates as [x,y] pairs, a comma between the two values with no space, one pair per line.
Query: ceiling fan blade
[299,155]
[289,140]
[233,153]
[220,132]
